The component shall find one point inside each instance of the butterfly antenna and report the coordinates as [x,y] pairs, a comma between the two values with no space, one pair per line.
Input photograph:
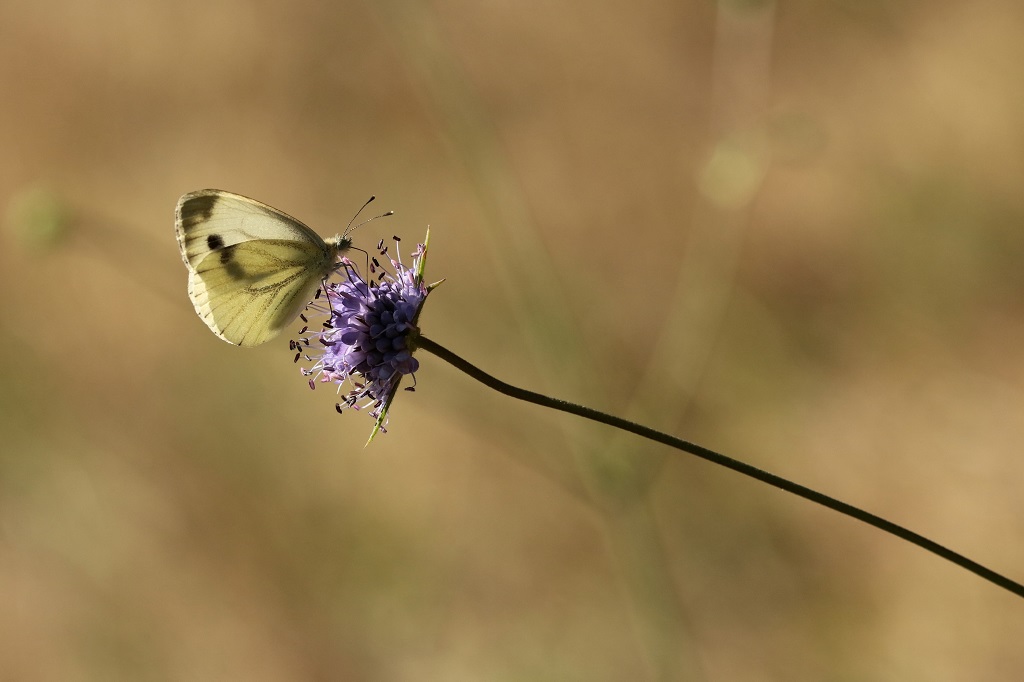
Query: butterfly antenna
[350,227]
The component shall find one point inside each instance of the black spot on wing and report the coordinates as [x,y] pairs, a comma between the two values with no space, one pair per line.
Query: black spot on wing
[227,259]
[214,242]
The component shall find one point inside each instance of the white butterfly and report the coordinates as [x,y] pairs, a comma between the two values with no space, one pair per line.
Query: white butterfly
[252,269]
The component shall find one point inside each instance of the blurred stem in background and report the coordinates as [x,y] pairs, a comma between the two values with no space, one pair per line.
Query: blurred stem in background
[632,537]
[727,184]
[736,162]
[616,477]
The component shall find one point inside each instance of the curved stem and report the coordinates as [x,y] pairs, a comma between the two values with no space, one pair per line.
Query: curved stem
[727,462]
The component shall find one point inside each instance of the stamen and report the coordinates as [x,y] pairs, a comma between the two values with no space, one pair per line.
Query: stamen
[374,308]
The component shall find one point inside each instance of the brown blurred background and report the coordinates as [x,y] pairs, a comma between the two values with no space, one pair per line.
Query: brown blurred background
[790,232]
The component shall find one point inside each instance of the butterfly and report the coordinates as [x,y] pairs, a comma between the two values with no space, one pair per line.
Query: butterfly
[251,268]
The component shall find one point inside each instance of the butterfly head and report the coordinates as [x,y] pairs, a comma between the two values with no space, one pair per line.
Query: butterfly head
[339,243]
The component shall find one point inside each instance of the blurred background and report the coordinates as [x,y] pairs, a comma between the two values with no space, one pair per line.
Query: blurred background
[787,231]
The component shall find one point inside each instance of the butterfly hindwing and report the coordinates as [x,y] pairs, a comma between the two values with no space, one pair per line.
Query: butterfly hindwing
[248,292]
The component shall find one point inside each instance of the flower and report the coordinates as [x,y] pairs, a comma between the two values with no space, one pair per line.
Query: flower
[370,335]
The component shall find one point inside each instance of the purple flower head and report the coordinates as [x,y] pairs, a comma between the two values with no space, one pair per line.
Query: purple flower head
[370,335]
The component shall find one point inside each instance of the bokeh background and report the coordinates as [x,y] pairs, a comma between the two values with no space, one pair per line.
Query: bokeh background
[788,231]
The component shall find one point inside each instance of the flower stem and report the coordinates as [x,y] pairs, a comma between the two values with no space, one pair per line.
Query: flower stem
[728,462]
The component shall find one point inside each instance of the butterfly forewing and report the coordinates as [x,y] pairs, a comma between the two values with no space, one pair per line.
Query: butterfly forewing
[252,268]
[209,220]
